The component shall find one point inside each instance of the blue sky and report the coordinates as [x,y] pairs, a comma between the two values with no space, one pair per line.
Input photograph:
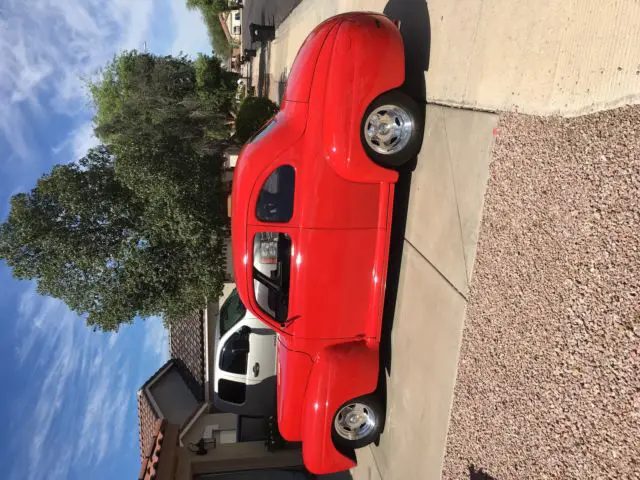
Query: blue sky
[68,396]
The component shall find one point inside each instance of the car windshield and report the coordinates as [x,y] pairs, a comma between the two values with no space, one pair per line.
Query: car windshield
[231,312]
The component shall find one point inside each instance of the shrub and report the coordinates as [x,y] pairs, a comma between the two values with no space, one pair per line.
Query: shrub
[252,114]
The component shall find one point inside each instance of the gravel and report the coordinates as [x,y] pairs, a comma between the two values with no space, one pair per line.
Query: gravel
[548,381]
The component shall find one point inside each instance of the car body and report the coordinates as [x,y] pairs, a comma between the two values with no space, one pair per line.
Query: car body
[308,198]
[245,361]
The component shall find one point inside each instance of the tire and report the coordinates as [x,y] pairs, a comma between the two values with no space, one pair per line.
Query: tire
[339,429]
[407,129]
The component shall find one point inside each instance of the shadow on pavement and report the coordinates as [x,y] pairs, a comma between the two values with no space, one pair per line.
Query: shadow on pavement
[272,12]
[479,474]
[415,28]
[264,12]
[262,87]
[346,475]
[282,85]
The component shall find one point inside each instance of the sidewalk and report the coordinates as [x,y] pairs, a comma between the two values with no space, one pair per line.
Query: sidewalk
[565,57]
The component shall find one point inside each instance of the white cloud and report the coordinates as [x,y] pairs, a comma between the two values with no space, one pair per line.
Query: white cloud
[47,47]
[188,39]
[105,414]
[82,139]
[156,340]
[83,388]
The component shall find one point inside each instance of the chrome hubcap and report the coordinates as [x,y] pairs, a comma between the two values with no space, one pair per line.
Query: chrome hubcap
[388,129]
[355,421]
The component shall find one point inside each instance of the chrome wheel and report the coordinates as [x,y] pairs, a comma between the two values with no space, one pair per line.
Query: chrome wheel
[388,129]
[355,421]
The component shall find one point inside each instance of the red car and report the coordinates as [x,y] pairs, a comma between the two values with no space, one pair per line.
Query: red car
[311,219]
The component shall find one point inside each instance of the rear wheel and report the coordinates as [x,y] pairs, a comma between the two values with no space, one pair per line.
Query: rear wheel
[358,422]
[391,129]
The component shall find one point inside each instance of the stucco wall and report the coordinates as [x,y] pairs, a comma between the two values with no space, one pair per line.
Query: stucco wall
[175,400]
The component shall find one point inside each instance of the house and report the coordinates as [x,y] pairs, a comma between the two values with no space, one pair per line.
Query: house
[231,23]
[182,435]
[236,25]
[167,460]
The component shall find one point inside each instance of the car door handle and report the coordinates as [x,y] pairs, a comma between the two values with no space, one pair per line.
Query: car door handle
[290,320]
[256,369]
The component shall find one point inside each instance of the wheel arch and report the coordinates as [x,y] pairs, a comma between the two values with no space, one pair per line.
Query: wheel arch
[329,388]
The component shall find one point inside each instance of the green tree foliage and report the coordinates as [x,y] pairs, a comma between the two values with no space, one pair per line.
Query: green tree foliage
[252,114]
[92,241]
[143,94]
[216,5]
[209,10]
[137,226]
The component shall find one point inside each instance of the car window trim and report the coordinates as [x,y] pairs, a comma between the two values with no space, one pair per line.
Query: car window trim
[272,169]
[226,305]
[277,289]
[268,124]
[222,356]
[266,281]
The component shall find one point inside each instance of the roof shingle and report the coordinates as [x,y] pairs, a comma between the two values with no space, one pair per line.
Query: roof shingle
[186,347]
[148,428]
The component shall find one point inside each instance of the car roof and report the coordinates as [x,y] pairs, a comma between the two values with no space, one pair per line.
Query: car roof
[253,163]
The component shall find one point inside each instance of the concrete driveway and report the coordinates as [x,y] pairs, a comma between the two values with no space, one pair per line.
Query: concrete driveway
[566,57]
[436,226]
[547,57]
[443,200]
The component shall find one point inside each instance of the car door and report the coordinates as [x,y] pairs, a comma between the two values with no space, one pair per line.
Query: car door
[262,350]
[272,234]
[327,230]
[245,361]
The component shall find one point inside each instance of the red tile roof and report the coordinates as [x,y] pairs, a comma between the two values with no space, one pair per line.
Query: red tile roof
[222,17]
[186,346]
[151,457]
[147,419]
[147,416]
[186,349]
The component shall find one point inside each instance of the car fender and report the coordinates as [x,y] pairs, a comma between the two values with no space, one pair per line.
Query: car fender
[346,91]
[340,373]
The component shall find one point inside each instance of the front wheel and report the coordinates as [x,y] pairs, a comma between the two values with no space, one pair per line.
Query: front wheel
[391,129]
[358,422]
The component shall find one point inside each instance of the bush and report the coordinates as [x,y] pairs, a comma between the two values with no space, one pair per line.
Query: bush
[252,114]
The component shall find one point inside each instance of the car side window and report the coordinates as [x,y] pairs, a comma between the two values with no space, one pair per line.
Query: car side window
[231,312]
[233,358]
[231,391]
[275,202]
[263,130]
[271,273]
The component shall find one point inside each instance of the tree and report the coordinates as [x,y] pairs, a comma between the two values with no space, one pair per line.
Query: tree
[138,225]
[210,10]
[143,94]
[216,5]
[252,114]
[226,5]
[90,240]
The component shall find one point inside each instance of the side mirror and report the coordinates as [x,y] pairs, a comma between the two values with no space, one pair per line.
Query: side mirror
[245,331]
